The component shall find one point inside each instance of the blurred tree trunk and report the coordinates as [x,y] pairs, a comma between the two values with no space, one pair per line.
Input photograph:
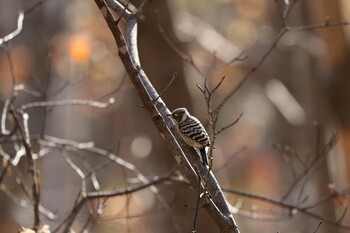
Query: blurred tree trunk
[334,87]
[337,82]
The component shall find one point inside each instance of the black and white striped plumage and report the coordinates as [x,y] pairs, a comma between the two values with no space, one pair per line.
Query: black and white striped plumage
[192,131]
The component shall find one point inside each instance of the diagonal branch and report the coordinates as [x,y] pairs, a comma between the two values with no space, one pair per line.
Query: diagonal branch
[294,208]
[15,32]
[185,156]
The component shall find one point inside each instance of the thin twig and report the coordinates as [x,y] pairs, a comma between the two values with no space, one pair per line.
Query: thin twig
[81,201]
[218,85]
[73,165]
[230,125]
[182,55]
[57,103]
[124,9]
[342,216]
[15,32]
[226,163]
[123,12]
[141,8]
[288,9]
[28,90]
[326,24]
[89,147]
[198,197]
[280,34]
[35,6]
[4,114]
[318,226]
[311,167]
[113,91]
[25,136]
[166,87]
[114,193]
[46,90]
[293,209]
[26,190]
[240,57]
[253,69]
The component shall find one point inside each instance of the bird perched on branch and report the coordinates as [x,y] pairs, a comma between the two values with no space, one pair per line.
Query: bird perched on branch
[192,131]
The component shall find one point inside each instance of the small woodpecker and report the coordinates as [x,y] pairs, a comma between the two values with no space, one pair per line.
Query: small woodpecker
[192,132]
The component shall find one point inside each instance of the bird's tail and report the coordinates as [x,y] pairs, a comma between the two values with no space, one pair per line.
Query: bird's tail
[204,156]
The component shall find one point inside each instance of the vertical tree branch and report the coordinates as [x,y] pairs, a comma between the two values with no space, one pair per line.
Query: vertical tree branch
[24,135]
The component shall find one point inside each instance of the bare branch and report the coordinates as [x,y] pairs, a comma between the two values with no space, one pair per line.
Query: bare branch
[23,202]
[311,167]
[89,147]
[28,90]
[281,33]
[342,216]
[35,6]
[226,163]
[182,55]
[25,140]
[4,114]
[15,32]
[114,193]
[318,227]
[166,87]
[73,165]
[141,8]
[240,57]
[230,125]
[113,91]
[288,8]
[82,200]
[326,24]
[57,103]
[218,85]
[293,209]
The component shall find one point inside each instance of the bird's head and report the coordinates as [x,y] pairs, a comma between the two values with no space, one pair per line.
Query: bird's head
[179,114]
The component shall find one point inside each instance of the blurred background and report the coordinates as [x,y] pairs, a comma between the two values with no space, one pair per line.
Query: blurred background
[292,105]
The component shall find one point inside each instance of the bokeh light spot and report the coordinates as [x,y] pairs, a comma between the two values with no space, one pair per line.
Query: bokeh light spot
[79,48]
[141,146]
